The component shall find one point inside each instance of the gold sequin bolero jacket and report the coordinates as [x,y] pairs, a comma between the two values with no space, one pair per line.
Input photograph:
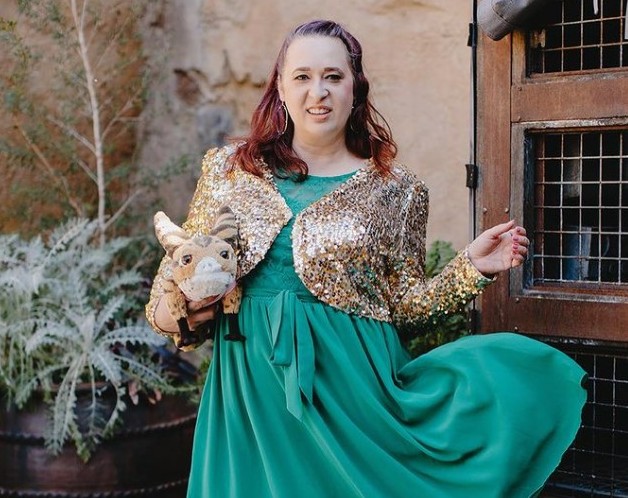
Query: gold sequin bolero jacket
[361,248]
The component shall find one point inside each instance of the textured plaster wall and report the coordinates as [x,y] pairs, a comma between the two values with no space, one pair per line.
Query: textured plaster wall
[212,57]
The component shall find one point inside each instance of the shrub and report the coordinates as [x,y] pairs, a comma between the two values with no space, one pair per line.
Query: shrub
[68,320]
[455,324]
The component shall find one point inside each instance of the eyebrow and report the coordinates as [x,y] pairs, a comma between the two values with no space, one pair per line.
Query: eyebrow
[327,69]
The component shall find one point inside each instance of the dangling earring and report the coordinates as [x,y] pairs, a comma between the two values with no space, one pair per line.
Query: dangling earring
[285,121]
[351,119]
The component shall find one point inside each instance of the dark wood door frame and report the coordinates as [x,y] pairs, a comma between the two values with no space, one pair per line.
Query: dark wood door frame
[509,104]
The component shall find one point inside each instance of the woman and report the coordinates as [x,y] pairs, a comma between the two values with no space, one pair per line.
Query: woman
[321,399]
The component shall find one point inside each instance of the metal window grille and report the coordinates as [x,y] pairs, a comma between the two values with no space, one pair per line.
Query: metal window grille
[580,207]
[596,464]
[580,35]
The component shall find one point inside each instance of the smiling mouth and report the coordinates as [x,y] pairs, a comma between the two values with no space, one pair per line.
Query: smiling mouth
[320,111]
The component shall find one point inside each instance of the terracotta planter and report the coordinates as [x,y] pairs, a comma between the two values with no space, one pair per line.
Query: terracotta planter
[149,457]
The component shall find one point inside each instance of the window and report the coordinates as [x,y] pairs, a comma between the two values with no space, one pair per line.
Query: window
[580,207]
[580,35]
[596,464]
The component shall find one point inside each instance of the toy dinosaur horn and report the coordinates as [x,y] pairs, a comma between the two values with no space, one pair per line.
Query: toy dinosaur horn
[169,235]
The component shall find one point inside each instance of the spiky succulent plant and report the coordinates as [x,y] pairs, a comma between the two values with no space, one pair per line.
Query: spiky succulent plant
[70,323]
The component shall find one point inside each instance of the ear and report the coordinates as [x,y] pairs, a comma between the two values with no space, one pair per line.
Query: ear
[169,235]
[226,226]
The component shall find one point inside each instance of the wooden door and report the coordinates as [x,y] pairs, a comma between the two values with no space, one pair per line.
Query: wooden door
[552,152]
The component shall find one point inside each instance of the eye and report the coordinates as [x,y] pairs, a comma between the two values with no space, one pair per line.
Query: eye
[301,77]
[334,77]
[186,259]
[224,254]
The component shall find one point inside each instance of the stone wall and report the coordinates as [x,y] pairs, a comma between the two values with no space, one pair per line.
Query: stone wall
[211,58]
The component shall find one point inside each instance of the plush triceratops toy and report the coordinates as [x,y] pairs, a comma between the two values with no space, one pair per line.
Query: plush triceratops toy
[203,266]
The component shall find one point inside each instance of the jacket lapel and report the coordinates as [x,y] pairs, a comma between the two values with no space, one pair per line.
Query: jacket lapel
[261,212]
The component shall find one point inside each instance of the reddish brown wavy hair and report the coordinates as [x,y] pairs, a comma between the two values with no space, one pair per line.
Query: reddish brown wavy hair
[367,134]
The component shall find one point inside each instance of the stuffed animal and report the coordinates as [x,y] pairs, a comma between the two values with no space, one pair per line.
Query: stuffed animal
[203,266]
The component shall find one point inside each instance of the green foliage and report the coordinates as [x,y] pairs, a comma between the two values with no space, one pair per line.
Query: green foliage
[71,94]
[455,325]
[68,324]
[438,255]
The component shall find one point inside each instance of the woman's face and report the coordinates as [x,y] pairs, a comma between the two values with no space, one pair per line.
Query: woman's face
[316,84]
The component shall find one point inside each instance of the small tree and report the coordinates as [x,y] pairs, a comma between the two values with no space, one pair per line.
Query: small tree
[72,94]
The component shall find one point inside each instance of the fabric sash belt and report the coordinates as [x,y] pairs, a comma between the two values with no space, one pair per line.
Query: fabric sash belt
[293,348]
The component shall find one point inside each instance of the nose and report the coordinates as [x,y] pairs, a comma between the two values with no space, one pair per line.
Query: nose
[319,89]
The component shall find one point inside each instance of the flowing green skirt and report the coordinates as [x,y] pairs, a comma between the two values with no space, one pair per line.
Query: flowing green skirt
[317,403]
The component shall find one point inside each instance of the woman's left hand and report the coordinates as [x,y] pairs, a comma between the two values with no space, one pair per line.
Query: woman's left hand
[499,248]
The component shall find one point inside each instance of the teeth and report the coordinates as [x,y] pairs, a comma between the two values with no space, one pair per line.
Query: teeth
[318,111]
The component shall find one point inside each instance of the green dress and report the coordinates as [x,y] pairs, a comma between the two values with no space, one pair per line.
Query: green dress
[317,403]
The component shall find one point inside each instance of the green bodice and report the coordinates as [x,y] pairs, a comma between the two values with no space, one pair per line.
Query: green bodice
[276,271]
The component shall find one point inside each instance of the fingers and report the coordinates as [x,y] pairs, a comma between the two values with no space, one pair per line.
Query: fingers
[520,245]
[519,239]
[203,303]
[518,257]
[201,311]
[197,318]
[501,229]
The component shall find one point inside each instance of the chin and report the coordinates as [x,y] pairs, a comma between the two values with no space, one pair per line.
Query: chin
[326,131]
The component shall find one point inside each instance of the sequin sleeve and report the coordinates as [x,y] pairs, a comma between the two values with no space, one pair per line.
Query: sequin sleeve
[417,302]
[203,209]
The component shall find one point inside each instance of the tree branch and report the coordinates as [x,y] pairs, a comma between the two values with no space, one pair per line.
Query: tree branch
[128,105]
[93,97]
[114,38]
[85,167]
[73,133]
[122,208]
[47,167]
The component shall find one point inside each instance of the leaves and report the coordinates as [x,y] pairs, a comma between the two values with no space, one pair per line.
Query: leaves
[69,319]
[440,253]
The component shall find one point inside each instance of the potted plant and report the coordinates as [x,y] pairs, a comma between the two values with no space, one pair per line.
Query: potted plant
[89,393]
[79,365]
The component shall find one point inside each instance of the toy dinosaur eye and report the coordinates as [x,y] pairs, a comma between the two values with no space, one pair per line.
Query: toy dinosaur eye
[224,254]
[186,259]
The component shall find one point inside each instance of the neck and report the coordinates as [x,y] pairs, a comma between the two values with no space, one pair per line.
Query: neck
[327,159]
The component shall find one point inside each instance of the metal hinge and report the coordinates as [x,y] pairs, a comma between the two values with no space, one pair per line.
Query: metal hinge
[473,320]
[472,176]
[472,41]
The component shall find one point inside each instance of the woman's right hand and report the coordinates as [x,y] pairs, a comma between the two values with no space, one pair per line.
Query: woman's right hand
[199,312]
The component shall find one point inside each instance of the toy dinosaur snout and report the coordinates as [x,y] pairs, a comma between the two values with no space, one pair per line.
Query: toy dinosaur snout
[209,279]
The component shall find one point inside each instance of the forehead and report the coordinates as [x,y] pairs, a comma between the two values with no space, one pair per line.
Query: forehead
[316,52]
